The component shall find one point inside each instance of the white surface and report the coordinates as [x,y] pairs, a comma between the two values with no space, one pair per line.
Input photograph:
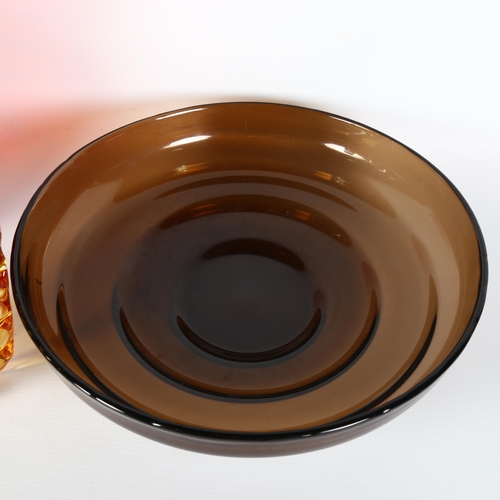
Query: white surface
[427,74]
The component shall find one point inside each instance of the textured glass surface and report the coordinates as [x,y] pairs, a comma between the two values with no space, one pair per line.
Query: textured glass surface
[6,326]
[249,278]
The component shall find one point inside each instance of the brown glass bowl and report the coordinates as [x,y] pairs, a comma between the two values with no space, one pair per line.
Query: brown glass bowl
[249,279]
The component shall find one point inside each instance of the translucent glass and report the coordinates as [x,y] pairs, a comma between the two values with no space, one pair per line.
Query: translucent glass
[6,326]
[249,278]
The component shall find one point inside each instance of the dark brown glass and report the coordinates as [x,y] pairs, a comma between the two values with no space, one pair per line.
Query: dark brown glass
[249,279]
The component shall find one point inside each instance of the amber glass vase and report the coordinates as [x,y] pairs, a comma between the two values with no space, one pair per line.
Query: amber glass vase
[6,330]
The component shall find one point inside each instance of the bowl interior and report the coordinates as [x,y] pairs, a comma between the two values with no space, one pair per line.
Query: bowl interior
[248,268]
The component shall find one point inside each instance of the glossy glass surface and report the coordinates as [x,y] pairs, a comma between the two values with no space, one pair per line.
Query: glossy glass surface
[6,324]
[249,278]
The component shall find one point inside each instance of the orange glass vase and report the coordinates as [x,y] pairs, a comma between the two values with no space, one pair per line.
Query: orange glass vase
[6,327]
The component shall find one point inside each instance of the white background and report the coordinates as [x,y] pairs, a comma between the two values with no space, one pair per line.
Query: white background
[426,73]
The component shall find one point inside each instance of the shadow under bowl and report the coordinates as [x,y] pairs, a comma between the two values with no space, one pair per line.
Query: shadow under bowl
[247,278]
